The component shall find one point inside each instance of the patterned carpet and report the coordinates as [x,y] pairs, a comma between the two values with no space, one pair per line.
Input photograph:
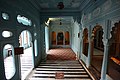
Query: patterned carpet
[61,54]
[61,64]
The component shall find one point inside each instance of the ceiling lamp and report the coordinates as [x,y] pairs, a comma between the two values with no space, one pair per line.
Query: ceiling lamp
[60,5]
[60,22]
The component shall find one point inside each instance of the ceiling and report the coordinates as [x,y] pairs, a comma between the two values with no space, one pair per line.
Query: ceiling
[49,8]
[52,4]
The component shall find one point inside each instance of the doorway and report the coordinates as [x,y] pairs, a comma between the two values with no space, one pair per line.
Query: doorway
[25,40]
[67,38]
[53,38]
[9,61]
[97,50]
[60,38]
[85,42]
[114,53]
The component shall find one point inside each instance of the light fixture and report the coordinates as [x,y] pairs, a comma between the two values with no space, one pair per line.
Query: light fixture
[60,22]
[60,5]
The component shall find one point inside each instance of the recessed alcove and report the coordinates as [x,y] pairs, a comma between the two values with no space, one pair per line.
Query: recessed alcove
[85,42]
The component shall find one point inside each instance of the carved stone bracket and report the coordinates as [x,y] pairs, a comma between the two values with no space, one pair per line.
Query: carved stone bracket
[113,21]
[77,19]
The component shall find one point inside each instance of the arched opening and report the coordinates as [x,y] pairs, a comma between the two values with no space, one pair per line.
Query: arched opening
[114,53]
[85,42]
[60,38]
[53,38]
[25,40]
[67,38]
[97,49]
[9,62]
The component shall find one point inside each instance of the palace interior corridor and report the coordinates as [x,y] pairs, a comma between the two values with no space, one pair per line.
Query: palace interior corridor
[60,39]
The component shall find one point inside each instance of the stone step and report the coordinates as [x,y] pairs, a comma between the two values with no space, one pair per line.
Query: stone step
[60,65]
[62,62]
[53,72]
[48,69]
[65,76]
[72,70]
[70,67]
[57,79]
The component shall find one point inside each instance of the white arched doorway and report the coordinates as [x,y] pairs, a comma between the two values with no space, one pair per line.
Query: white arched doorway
[9,61]
[25,40]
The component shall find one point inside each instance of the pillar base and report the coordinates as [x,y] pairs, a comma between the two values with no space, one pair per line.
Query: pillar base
[102,79]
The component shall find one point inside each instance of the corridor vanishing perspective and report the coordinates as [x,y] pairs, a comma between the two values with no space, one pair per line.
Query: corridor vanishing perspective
[59,39]
[60,67]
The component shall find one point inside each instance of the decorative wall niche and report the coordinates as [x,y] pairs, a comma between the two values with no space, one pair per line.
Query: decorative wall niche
[24,20]
[5,16]
[7,34]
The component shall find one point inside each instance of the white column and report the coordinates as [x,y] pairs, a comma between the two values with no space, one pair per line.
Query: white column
[106,37]
[105,60]
[81,43]
[28,39]
[89,48]
[22,36]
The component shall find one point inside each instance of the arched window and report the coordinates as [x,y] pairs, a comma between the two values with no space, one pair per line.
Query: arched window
[53,38]
[85,42]
[24,20]
[60,38]
[67,39]
[9,64]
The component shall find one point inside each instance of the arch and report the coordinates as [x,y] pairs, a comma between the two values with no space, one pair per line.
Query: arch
[25,40]
[9,61]
[53,38]
[97,48]
[85,42]
[60,38]
[114,51]
[67,38]
[97,34]
[115,40]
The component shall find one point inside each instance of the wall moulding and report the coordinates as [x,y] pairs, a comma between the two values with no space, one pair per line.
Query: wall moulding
[96,12]
[106,6]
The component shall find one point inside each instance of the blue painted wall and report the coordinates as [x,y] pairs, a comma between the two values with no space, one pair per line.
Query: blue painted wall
[75,38]
[16,28]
